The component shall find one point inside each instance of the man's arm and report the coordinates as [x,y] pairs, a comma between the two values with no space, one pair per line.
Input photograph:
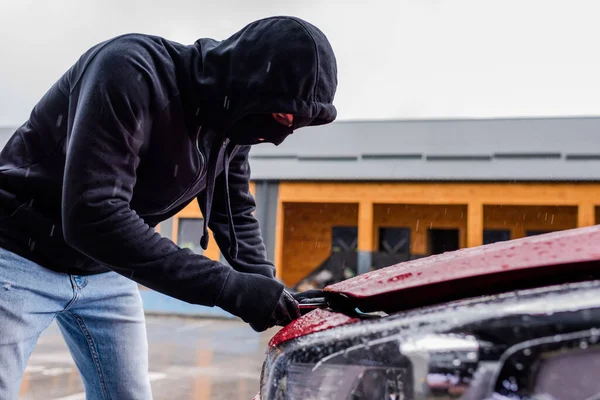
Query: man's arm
[110,120]
[252,254]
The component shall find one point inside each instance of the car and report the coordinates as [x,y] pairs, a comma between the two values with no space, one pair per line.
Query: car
[510,320]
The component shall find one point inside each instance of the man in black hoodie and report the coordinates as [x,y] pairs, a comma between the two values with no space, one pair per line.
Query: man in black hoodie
[134,131]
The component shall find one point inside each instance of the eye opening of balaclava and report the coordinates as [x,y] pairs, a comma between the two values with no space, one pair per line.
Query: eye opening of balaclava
[261,128]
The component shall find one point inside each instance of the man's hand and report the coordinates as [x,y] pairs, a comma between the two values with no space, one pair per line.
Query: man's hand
[285,312]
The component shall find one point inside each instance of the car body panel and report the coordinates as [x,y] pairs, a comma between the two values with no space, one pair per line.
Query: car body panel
[315,321]
[515,264]
[558,248]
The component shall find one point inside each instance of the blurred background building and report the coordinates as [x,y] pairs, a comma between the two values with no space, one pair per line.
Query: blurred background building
[460,123]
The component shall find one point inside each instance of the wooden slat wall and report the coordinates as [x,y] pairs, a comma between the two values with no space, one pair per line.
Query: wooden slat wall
[307,235]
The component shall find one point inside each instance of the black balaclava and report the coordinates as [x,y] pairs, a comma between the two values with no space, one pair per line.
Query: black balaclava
[251,128]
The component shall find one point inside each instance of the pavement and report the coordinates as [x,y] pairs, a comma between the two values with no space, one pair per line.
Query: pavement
[190,358]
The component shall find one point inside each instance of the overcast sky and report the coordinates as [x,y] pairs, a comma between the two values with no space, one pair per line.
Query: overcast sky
[396,59]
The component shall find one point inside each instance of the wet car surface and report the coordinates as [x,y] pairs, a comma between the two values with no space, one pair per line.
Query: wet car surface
[193,358]
[519,320]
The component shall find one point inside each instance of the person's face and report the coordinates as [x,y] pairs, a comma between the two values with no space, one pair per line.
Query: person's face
[283,119]
[276,130]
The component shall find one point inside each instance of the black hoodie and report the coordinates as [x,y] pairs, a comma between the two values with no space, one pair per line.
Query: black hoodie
[138,128]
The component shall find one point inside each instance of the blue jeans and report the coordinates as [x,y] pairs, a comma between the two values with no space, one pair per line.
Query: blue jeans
[100,316]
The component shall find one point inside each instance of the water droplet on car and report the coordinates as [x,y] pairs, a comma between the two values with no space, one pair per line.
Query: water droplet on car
[519,366]
[557,338]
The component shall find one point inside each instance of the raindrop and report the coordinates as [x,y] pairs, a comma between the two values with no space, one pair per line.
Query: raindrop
[27,171]
[31,244]
[527,352]
[197,111]
[225,102]
[552,219]
[59,120]
[269,66]
[139,77]
[31,203]
[52,230]
[417,228]
[175,170]
[519,366]
[116,187]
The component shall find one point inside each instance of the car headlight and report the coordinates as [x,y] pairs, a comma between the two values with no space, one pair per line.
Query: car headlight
[389,368]
[373,371]
[472,350]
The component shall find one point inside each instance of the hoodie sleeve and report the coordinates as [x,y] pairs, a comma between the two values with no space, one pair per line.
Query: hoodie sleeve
[110,118]
[252,253]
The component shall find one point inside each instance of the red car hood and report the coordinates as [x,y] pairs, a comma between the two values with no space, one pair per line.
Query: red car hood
[529,262]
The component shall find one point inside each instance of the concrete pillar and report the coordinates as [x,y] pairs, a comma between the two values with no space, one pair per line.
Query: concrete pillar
[586,215]
[166,228]
[267,194]
[474,224]
[365,236]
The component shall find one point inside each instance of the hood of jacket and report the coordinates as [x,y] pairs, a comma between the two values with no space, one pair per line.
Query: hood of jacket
[273,65]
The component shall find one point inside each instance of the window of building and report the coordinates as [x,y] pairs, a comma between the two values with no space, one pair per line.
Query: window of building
[394,240]
[189,233]
[344,238]
[495,235]
[536,232]
[442,240]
